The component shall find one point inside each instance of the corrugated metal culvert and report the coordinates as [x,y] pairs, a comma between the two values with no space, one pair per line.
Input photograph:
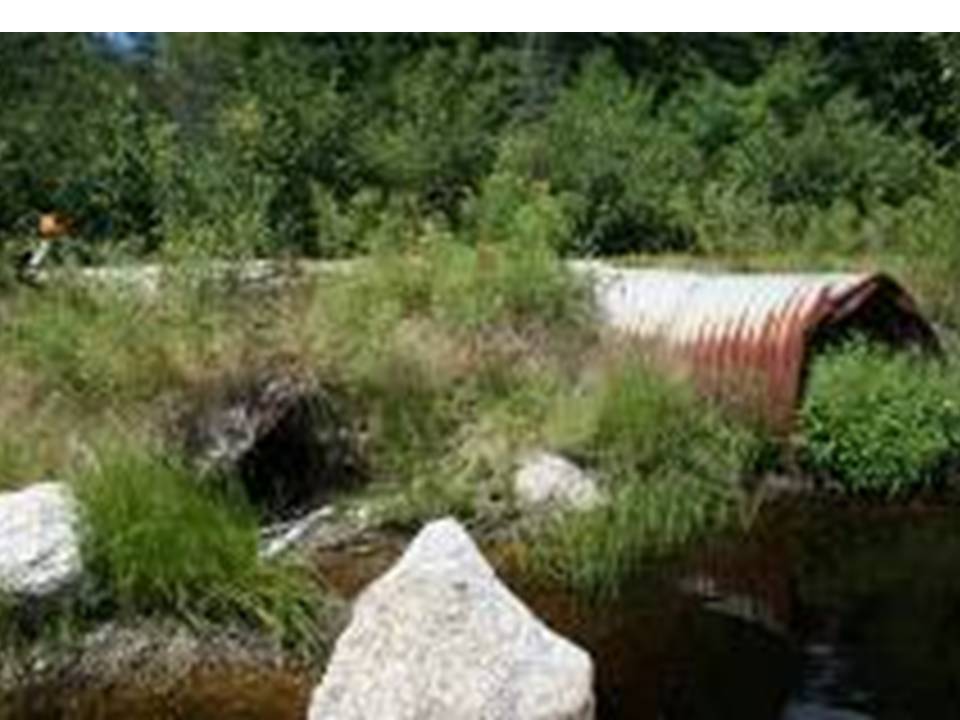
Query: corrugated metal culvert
[747,338]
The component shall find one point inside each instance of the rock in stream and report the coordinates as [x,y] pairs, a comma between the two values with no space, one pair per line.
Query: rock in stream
[439,637]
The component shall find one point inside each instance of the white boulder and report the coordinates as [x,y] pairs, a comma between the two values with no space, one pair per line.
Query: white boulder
[439,637]
[548,481]
[39,547]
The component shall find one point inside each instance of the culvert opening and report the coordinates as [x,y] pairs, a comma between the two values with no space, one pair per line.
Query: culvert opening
[882,314]
[285,440]
[304,456]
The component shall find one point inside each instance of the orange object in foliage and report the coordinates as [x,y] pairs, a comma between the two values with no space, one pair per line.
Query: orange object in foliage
[53,225]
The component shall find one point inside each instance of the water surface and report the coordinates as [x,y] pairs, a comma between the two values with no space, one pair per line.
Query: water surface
[821,612]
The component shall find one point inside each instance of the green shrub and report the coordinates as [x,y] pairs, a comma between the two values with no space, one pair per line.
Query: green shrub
[157,542]
[879,422]
[791,162]
[672,467]
[435,134]
[604,148]
[838,153]
[510,208]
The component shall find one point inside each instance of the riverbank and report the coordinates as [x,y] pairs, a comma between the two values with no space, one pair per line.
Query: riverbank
[199,425]
[805,615]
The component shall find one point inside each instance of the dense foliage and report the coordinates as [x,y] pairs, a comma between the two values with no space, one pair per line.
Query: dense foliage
[879,422]
[600,143]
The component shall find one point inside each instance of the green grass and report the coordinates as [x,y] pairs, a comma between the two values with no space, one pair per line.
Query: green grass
[156,542]
[602,552]
[420,342]
[670,463]
[451,360]
[78,363]
[633,422]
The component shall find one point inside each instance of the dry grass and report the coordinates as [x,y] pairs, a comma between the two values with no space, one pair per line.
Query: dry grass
[77,365]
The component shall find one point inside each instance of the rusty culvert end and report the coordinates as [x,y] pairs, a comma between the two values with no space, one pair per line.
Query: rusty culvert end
[747,338]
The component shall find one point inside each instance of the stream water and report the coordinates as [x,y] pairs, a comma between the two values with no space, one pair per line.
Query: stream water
[821,612]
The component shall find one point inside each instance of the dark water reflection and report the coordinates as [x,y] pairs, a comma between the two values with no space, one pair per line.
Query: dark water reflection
[822,612]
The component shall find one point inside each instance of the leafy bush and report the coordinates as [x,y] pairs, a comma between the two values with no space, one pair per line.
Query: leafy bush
[836,154]
[512,209]
[156,541]
[879,422]
[603,146]
[791,162]
[435,135]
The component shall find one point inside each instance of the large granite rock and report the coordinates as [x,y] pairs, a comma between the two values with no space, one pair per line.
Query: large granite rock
[439,637]
[545,481]
[39,548]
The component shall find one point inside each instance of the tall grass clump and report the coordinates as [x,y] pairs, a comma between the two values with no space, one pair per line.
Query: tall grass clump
[109,346]
[671,466]
[156,542]
[89,346]
[879,422]
[513,282]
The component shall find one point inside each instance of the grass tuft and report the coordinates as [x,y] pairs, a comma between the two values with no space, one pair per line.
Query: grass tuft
[158,543]
[672,468]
